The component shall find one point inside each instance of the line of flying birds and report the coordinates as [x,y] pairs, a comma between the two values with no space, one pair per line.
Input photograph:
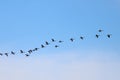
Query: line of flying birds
[47,43]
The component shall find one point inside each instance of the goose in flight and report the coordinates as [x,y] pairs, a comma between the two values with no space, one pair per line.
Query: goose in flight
[21,51]
[1,54]
[35,49]
[60,41]
[100,30]
[6,54]
[30,51]
[47,43]
[81,37]
[27,55]
[53,40]
[71,39]
[97,35]
[42,46]
[109,35]
[56,46]
[12,52]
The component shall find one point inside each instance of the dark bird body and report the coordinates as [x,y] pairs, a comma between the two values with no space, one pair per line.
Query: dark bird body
[6,54]
[47,43]
[21,51]
[35,49]
[1,54]
[109,35]
[53,40]
[81,38]
[100,30]
[12,53]
[71,39]
[30,51]
[56,46]
[27,55]
[60,41]
[97,36]
[42,46]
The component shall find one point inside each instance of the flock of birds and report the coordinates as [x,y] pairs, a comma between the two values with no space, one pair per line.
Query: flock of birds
[47,43]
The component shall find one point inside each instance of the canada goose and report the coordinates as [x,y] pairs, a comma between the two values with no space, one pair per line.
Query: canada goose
[60,41]
[6,54]
[100,30]
[109,35]
[35,49]
[42,46]
[47,43]
[81,37]
[56,46]
[27,55]
[12,53]
[97,35]
[71,39]
[21,51]
[1,54]
[30,51]
[53,40]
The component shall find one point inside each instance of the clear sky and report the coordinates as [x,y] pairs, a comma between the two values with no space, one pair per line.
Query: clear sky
[26,24]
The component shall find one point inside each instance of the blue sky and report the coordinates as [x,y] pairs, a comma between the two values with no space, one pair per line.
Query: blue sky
[26,24]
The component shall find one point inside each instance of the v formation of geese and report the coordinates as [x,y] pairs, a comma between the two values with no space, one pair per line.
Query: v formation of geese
[29,52]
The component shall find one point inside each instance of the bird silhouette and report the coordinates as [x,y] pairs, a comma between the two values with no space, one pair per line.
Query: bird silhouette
[81,37]
[100,30]
[30,51]
[35,49]
[109,35]
[47,43]
[53,40]
[97,35]
[42,46]
[71,39]
[6,54]
[27,55]
[12,52]
[61,41]
[21,51]
[1,54]
[56,46]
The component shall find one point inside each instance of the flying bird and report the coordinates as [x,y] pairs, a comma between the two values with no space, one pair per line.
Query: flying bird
[21,51]
[53,40]
[109,35]
[42,46]
[6,54]
[60,41]
[30,51]
[27,55]
[1,54]
[81,37]
[71,39]
[47,43]
[97,35]
[100,30]
[12,52]
[56,46]
[35,49]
